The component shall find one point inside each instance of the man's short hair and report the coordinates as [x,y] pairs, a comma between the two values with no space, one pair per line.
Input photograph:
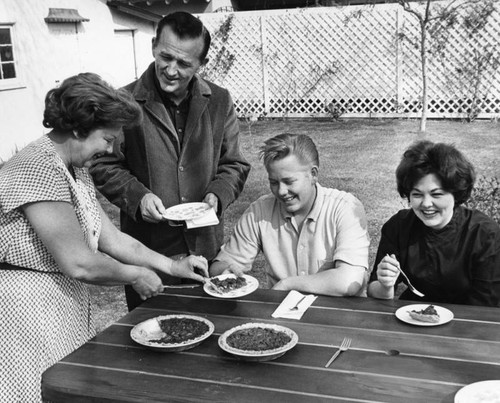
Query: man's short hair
[285,144]
[185,25]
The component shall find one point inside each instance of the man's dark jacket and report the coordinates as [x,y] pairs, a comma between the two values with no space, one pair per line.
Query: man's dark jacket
[149,158]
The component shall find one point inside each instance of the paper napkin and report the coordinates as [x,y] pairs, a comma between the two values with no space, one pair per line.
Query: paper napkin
[210,218]
[284,309]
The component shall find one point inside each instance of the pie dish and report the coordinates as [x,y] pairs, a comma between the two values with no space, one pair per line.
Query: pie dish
[445,315]
[186,211]
[285,339]
[251,285]
[189,331]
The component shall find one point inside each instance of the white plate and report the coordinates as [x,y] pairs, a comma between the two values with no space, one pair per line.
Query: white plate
[144,332]
[252,285]
[479,392]
[264,355]
[186,211]
[445,315]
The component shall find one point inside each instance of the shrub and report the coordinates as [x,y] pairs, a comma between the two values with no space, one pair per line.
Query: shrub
[486,197]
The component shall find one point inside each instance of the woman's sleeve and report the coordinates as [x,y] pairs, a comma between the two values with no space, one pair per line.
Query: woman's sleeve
[485,268]
[32,180]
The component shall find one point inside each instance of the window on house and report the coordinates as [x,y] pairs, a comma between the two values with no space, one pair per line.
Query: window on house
[7,61]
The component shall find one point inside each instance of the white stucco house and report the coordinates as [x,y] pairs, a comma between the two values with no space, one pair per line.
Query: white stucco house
[44,41]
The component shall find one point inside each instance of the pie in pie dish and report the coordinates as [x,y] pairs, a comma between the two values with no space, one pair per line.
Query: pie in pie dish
[172,332]
[258,341]
[180,330]
[429,314]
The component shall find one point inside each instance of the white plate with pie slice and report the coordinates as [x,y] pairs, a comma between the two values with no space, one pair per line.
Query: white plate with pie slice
[251,285]
[186,211]
[479,392]
[445,315]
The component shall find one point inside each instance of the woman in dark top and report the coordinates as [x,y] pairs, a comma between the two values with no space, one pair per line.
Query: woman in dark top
[450,253]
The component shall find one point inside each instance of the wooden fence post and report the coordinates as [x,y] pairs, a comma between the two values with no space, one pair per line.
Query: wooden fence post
[265,75]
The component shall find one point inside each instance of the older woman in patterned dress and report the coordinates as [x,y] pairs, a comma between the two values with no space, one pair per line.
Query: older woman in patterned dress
[54,236]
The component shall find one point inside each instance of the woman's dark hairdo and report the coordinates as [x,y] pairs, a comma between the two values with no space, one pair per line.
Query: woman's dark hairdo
[456,173]
[86,102]
[185,25]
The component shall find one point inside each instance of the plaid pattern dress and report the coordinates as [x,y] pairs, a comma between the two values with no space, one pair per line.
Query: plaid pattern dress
[44,315]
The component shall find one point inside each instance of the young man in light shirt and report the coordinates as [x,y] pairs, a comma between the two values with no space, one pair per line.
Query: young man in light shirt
[314,239]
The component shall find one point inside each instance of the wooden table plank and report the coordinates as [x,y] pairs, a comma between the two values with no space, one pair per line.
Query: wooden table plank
[383,321]
[169,369]
[380,332]
[354,316]
[67,383]
[467,312]
[309,355]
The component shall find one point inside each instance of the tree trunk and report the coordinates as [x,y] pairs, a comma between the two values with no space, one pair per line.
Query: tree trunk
[423,56]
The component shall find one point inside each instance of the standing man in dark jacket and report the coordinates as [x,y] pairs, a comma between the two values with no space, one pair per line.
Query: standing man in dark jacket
[186,149]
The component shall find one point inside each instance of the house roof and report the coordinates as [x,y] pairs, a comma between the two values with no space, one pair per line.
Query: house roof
[64,15]
[129,7]
[247,5]
[142,7]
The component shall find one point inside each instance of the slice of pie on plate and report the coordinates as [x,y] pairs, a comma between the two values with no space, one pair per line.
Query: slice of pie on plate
[228,284]
[429,314]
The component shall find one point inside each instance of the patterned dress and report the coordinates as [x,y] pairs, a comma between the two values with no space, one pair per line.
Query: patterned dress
[44,315]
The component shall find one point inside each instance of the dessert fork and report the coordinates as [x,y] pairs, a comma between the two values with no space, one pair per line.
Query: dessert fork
[410,285]
[296,307]
[346,343]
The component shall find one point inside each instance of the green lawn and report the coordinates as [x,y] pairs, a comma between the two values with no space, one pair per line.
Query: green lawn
[358,156]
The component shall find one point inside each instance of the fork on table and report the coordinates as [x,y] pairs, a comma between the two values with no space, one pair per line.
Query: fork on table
[346,343]
[296,307]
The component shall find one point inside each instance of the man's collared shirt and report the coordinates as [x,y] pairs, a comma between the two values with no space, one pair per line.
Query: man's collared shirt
[335,229]
[178,113]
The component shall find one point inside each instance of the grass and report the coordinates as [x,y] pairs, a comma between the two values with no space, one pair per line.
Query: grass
[358,156]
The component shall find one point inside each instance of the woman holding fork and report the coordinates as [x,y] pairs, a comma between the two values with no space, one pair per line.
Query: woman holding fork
[450,254]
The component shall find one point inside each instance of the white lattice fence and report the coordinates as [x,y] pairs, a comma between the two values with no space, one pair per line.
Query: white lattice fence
[450,86]
[245,77]
[350,61]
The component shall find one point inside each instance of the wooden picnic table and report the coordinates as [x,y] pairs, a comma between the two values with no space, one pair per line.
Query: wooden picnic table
[432,365]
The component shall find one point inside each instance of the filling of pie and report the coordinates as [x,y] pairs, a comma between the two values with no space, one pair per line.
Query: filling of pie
[228,284]
[179,330]
[257,339]
[428,314]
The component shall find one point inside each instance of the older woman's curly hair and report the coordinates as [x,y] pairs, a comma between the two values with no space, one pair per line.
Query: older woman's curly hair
[450,166]
[86,102]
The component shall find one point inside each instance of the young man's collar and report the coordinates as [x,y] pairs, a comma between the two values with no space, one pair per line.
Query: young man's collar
[316,207]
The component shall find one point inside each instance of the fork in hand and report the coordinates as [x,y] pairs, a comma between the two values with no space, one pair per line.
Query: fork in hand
[346,343]
[410,285]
